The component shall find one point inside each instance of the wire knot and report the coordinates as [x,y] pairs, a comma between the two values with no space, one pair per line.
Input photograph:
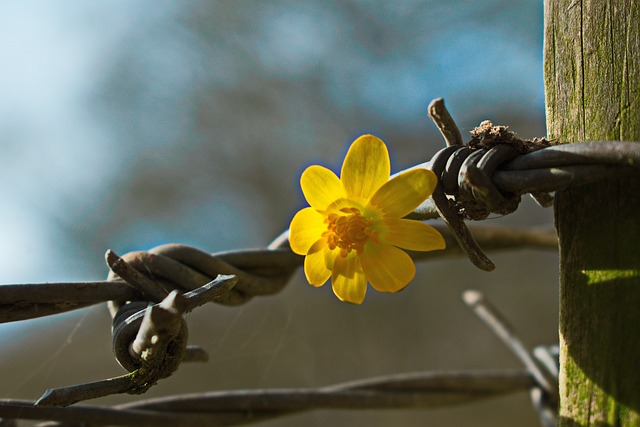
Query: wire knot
[465,188]
[467,175]
[172,280]
[149,331]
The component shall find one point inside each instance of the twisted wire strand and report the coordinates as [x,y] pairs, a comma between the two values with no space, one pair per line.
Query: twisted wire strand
[483,181]
[420,390]
[265,271]
[487,176]
[411,390]
[470,186]
[182,267]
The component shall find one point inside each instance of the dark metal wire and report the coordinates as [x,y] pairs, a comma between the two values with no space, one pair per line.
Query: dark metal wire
[419,390]
[489,175]
[411,390]
[260,272]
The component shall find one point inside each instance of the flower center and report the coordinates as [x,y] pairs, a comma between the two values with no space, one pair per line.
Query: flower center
[349,231]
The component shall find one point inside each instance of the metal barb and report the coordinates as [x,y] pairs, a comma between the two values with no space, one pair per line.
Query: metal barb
[147,287]
[443,120]
[410,390]
[261,272]
[66,396]
[453,219]
[474,180]
[503,330]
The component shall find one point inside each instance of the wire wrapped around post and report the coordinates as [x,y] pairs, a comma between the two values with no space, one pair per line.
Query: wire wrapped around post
[150,291]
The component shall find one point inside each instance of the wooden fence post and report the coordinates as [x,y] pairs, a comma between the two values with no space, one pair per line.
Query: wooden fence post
[592,89]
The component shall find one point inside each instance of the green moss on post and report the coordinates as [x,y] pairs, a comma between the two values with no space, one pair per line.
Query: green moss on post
[592,85]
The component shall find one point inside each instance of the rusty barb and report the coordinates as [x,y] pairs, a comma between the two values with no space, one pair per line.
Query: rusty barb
[150,291]
[492,172]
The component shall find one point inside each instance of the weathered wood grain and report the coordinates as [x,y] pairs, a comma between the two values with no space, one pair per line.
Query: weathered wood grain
[592,85]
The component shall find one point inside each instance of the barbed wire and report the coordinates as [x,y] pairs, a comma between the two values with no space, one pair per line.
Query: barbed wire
[419,390]
[150,291]
[259,272]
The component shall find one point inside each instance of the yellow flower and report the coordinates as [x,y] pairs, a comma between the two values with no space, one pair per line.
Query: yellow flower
[354,228]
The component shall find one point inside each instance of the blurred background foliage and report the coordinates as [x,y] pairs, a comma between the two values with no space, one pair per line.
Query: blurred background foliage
[126,125]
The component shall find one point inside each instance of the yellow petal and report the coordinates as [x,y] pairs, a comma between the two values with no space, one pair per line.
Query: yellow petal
[315,268]
[348,281]
[366,167]
[306,228]
[321,187]
[330,258]
[411,235]
[344,203]
[386,267]
[402,194]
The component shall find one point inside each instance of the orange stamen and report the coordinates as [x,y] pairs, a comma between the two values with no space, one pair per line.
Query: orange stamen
[350,231]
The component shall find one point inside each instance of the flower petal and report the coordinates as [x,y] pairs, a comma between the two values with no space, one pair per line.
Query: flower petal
[366,167]
[386,267]
[348,281]
[305,229]
[402,194]
[321,187]
[411,235]
[344,203]
[315,268]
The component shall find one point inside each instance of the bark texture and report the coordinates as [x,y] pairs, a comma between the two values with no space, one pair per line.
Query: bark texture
[592,88]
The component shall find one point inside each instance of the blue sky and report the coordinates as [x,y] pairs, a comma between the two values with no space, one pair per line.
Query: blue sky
[60,155]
